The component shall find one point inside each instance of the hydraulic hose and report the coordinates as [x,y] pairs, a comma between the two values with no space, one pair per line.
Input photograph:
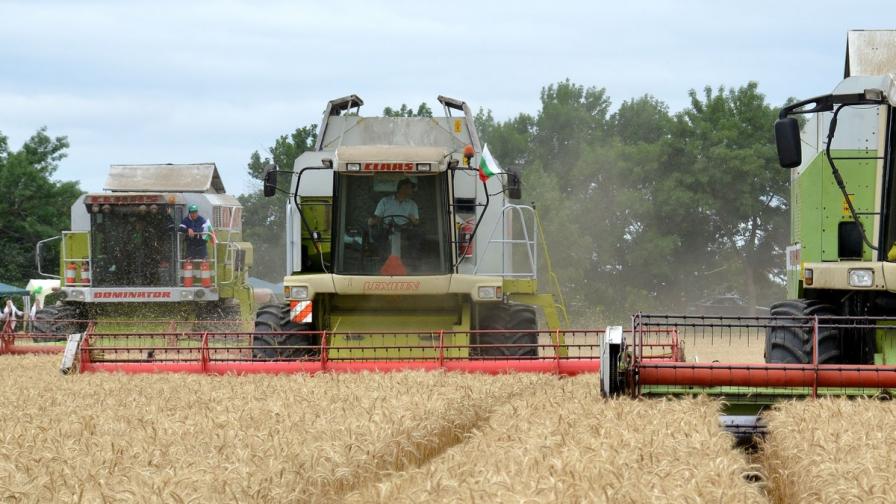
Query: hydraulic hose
[839,179]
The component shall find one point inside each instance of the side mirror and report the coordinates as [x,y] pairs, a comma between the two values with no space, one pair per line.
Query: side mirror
[787,138]
[270,181]
[514,185]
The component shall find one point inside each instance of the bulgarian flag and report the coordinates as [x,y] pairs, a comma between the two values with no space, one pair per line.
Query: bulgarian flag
[209,232]
[488,167]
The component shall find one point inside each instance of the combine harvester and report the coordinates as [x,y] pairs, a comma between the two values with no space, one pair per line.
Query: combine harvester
[835,335]
[124,267]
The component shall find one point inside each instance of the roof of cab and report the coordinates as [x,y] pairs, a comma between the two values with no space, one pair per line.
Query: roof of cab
[196,177]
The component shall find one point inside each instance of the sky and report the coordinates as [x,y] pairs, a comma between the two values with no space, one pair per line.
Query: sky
[182,82]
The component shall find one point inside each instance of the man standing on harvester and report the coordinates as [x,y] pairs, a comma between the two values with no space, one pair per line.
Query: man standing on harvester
[198,230]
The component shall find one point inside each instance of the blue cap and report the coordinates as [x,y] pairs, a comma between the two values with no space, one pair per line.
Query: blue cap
[194,208]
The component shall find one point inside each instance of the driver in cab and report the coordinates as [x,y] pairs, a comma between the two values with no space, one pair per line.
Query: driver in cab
[393,207]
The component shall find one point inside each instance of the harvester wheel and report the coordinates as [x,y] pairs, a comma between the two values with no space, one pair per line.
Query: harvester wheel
[58,320]
[793,345]
[272,318]
[520,322]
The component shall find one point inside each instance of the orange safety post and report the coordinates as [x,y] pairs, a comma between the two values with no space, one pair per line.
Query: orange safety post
[85,273]
[70,271]
[187,273]
[205,274]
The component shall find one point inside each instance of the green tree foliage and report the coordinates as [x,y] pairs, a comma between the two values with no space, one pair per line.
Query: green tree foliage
[646,210]
[34,206]
[264,219]
[423,110]
[726,137]
[508,141]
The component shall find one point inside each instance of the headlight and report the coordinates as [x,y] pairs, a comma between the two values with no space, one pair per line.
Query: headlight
[353,166]
[424,166]
[298,293]
[186,295]
[76,294]
[861,278]
[489,293]
[807,277]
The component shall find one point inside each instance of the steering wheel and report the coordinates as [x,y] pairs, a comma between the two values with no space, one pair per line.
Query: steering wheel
[393,225]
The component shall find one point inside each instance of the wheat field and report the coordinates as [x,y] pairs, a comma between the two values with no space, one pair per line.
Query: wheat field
[831,451]
[333,438]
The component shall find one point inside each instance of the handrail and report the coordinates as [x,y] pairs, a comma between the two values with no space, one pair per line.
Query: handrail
[230,260]
[82,261]
[37,256]
[213,259]
[530,244]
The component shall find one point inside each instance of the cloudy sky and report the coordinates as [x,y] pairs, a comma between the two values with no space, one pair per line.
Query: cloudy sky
[158,81]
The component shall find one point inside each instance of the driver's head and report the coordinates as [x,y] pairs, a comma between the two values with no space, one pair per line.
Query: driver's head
[405,187]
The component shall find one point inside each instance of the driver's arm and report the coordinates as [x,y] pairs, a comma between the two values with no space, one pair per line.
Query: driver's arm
[414,214]
[377,216]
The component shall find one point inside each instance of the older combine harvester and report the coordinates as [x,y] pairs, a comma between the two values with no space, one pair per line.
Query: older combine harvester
[124,266]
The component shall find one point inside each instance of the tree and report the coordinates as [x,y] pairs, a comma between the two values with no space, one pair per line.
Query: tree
[35,206]
[641,120]
[423,110]
[508,141]
[264,219]
[727,140]
[645,210]
[571,118]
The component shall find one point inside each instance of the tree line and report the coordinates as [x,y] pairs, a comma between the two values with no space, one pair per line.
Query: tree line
[643,209]
[34,206]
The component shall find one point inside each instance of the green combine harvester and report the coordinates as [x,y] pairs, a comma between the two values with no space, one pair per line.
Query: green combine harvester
[834,335]
[842,259]
[125,265]
[395,235]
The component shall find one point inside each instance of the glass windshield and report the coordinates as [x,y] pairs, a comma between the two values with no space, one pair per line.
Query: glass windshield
[392,224]
[131,248]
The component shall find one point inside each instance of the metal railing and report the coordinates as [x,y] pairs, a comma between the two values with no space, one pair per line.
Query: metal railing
[524,217]
[82,267]
[38,256]
[211,259]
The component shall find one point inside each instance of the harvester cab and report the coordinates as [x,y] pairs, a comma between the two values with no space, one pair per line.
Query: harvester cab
[129,255]
[392,226]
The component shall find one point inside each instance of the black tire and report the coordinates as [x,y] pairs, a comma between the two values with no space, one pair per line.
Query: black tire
[275,318]
[58,321]
[793,345]
[520,322]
